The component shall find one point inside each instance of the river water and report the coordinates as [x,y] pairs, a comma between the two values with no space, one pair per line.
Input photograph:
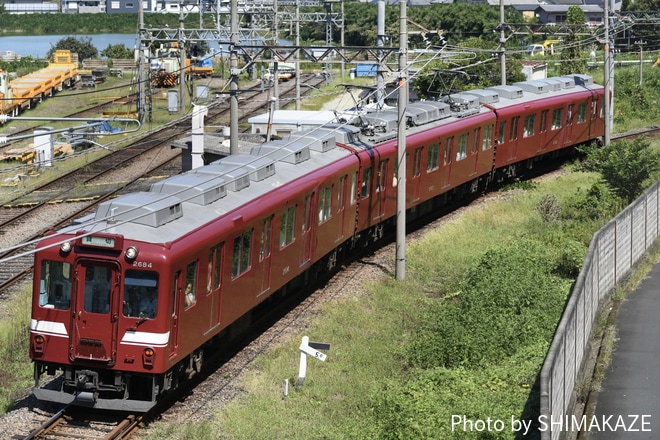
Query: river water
[37,46]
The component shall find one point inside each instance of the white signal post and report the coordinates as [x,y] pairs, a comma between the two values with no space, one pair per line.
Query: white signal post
[311,349]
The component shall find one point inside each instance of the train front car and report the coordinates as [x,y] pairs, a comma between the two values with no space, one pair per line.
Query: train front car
[100,315]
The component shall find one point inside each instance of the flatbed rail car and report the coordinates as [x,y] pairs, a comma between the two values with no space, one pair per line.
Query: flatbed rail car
[126,300]
[22,93]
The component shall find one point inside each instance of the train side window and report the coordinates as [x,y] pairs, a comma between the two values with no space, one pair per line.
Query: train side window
[486,142]
[325,204]
[366,181]
[569,115]
[543,125]
[500,136]
[241,258]
[55,285]
[307,213]
[266,233]
[382,175]
[341,193]
[353,188]
[530,122]
[190,295]
[287,228]
[215,263]
[417,162]
[140,294]
[448,147]
[513,134]
[461,150]
[556,118]
[434,155]
[594,109]
[582,113]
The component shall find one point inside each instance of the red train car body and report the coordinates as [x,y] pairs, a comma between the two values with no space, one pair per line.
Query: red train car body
[126,299]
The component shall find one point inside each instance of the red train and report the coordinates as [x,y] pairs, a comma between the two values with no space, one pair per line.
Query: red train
[126,299]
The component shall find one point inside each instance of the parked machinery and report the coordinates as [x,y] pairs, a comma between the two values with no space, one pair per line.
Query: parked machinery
[24,92]
[127,299]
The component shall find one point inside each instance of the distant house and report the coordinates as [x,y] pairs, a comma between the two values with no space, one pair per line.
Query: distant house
[30,7]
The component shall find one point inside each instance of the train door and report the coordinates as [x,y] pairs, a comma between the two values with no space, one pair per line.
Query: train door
[474,150]
[265,252]
[381,189]
[95,310]
[341,205]
[543,132]
[447,161]
[306,233]
[214,284]
[415,176]
[568,139]
[513,139]
[176,294]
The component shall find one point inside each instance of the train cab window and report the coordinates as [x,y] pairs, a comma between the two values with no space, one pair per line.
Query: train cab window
[500,137]
[215,263]
[55,285]
[325,204]
[475,140]
[556,118]
[569,115]
[487,140]
[434,155]
[513,134]
[190,294]
[97,289]
[240,262]
[446,159]
[366,182]
[382,176]
[461,150]
[530,122]
[543,125]
[582,113]
[140,294]
[287,227]
[417,162]
[594,109]
[353,188]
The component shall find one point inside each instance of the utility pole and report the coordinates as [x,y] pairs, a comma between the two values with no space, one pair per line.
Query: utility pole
[233,78]
[401,147]
[502,45]
[608,76]
[641,60]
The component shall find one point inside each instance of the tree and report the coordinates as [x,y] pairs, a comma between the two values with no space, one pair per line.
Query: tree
[571,54]
[625,166]
[82,46]
[117,51]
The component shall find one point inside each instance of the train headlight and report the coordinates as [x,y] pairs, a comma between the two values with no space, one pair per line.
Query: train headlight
[39,342]
[131,253]
[65,247]
[148,356]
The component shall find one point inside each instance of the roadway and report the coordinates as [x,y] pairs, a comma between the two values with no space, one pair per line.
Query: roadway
[628,405]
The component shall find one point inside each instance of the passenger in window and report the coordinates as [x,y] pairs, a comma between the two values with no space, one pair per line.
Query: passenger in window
[189,296]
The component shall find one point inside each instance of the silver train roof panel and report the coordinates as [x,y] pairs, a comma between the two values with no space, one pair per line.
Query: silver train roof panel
[194,188]
[144,208]
[259,167]
[289,151]
[237,178]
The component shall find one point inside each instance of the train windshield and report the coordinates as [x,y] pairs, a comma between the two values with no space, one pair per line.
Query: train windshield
[55,285]
[140,294]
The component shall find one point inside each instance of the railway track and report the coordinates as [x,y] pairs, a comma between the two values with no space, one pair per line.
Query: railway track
[72,422]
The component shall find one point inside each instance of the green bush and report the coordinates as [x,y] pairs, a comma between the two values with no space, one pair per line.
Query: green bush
[509,299]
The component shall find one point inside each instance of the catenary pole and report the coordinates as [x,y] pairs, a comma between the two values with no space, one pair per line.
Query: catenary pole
[401,148]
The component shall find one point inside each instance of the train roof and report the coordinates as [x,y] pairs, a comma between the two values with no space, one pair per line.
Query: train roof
[180,204]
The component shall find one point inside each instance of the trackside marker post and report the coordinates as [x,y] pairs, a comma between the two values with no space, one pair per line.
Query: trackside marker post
[310,348]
